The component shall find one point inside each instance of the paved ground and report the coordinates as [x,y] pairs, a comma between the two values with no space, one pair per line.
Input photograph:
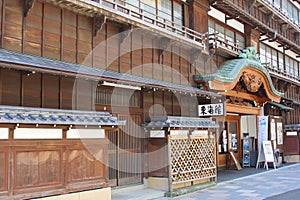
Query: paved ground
[257,186]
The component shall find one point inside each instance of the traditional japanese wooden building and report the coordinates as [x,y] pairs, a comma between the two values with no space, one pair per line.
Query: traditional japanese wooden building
[89,89]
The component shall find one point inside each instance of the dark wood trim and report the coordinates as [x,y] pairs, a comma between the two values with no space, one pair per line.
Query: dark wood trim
[62,23]
[2,22]
[28,4]
[43,30]
[43,90]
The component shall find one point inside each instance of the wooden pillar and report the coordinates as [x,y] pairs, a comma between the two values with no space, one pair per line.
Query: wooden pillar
[252,37]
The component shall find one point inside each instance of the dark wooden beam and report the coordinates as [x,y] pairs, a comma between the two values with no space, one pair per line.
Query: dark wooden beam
[99,21]
[28,4]
[125,31]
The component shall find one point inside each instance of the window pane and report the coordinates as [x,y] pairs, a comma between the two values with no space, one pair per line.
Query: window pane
[240,41]
[165,11]
[280,61]
[211,27]
[263,53]
[268,55]
[220,30]
[178,13]
[274,58]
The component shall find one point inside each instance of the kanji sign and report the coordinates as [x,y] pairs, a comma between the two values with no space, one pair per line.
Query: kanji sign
[211,109]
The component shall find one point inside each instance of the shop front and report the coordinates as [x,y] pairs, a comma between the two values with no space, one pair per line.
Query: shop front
[247,86]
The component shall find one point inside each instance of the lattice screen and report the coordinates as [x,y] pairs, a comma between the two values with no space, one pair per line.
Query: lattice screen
[192,158]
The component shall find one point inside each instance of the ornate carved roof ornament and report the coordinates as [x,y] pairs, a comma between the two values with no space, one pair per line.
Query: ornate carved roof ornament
[250,53]
[251,81]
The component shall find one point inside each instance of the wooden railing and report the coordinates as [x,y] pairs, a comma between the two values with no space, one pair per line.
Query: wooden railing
[216,40]
[137,13]
[281,72]
[279,11]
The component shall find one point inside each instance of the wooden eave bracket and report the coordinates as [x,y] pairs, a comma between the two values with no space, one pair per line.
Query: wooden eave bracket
[125,31]
[28,4]
[99,21]
[163,46]
[195,53]
[212,2]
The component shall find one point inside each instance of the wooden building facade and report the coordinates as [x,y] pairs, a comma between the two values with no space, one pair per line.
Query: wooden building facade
[128,62]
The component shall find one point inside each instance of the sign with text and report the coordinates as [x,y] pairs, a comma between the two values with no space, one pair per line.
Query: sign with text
[216,109]
[268,151]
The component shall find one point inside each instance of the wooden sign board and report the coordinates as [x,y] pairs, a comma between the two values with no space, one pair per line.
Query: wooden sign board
[236,162]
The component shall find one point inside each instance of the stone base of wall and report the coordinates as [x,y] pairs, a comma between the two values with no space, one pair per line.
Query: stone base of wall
[103,194]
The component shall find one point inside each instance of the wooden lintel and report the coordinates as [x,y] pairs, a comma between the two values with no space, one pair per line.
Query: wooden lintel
[242,95]
[125,30]
[163,46]
[99,21]
[28,4]
[195,53]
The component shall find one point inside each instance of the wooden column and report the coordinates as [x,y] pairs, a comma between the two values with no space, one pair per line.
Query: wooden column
[252,37]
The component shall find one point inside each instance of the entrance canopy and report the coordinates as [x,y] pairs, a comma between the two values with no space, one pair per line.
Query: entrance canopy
[29,115]
[244,77]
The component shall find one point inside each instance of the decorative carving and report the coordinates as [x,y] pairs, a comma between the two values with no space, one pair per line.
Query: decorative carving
[250,53]
[99,21]
[28,4]
[251,81]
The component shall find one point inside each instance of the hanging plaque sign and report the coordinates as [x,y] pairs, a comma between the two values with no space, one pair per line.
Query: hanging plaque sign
[217,109]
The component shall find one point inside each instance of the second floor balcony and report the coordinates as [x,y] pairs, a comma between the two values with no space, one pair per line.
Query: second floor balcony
[223,45]
[163,23]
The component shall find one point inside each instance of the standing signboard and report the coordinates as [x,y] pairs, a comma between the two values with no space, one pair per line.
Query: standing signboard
[266,154]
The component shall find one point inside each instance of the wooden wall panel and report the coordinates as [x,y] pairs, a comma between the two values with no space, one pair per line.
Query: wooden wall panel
[167,66]
[159,109]
[137,52]
[69,36]
[3,170]
[84,47]
[34,168]
[31,90]
[12,34]
[66,93]
[99,49]
[125,55]
[50,91]
[52,31]
[176,65]
[82,165]
[84,94]
[33,30]
[168,103]
[147,104]
[200,19]
[112,46]
[176,105]
[11,87]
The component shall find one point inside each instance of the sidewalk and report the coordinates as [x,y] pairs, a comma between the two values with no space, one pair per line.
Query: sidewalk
[232,184]
[257,186]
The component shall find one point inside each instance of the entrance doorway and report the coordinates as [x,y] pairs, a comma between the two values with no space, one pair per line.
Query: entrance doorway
[125,148]
[228,138]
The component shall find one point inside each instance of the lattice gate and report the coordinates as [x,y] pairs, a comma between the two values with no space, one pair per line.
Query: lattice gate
[192,160]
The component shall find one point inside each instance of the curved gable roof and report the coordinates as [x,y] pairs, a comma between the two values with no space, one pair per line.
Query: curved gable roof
[230,71]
